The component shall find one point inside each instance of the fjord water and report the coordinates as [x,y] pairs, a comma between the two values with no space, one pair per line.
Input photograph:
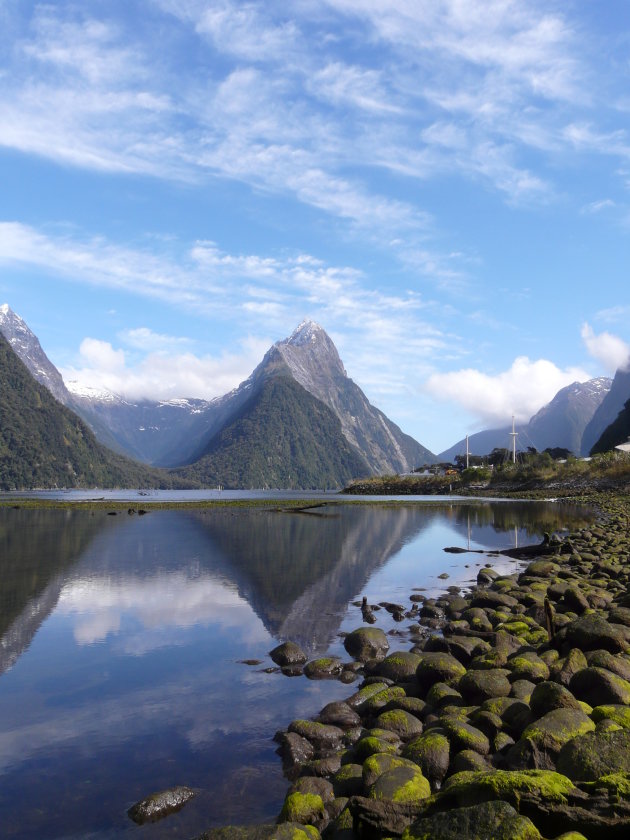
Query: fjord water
[122,639]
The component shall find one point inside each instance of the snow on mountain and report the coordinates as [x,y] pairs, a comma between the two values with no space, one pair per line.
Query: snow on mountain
[27,347]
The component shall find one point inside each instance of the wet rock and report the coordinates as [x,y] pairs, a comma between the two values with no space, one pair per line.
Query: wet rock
[527,666]
[318,734]
[487,819]
[382,699]
[339,714]
[325,668]
[617,713]
[366,643]
[596,754]
[294,749]
[240,832]
[490,598]
[440,694]
[160,805]
[466,760]
[509,785]
[288,654]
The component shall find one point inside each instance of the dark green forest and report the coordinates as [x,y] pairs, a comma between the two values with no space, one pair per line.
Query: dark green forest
[282,437]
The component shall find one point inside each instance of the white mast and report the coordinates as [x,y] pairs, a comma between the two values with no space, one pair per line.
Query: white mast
[467,452]
[513,435]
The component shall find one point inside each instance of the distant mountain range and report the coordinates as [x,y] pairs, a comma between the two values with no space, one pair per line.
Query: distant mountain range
[560,423]
[297,421]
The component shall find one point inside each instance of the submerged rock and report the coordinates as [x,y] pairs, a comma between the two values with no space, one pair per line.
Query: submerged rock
[160,805]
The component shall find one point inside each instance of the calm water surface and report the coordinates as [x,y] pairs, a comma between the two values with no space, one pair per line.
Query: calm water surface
[120,641]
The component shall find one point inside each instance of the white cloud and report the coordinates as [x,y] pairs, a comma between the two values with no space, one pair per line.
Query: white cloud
[520,391]
[610,350]
[162,376]
[143,338]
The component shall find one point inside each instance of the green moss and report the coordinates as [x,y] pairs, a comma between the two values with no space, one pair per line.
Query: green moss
[470,787]
[616,783]
[529,669]
[382,698]
[557,727]
[403,785]
[370,746]
[302,808]
[612,711]
[375,765]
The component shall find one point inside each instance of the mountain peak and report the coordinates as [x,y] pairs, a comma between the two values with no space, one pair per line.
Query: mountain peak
[306,332]
[26,345]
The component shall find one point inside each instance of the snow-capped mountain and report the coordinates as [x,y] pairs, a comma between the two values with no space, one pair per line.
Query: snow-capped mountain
[26,345]
[181,431]
[560,423]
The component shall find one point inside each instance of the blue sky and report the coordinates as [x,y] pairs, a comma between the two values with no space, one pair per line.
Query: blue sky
[444,186]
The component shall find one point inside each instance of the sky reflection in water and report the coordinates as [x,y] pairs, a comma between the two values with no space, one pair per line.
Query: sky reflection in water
[121,641]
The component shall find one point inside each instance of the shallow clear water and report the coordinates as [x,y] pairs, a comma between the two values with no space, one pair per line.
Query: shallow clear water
[120,641]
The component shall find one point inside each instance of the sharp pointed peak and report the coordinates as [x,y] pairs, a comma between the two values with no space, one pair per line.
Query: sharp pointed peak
[307,330]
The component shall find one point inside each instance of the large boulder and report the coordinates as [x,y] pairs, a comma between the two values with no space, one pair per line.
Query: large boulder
[431,752]
[595,754]
[287,654]
[398,666]
[438,667]
[479,685]
[597,687]
[487,819]
[591,632]
[366,643]
[404,784]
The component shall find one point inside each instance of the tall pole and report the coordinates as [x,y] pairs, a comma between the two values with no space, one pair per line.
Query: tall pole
[513,435]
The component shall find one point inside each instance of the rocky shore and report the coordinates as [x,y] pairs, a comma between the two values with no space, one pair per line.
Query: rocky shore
[508,717]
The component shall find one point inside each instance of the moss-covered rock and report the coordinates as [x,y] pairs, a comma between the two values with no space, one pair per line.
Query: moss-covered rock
[339,714]
[303,808]
[438,667]
[470,788]
[319,734]
[376,765]
[592,632]
[356,700]
[596,754]
[466,760]
[348,780]
[463,736]
[497,820]
[547,696]
[441,694]
[431,752]
[615,712]
[553,730]
[616,664]
[403,785]
[528,666]
[295,831]
[370,746]
[324,668]
[403,723]
[399,665]
[377,702]
[563,670]
[477,686]
[598,687]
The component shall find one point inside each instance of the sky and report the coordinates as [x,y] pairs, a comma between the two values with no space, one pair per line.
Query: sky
[444,186]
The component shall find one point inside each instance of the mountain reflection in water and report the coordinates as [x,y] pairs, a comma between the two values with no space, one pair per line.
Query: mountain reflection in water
[121,635]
